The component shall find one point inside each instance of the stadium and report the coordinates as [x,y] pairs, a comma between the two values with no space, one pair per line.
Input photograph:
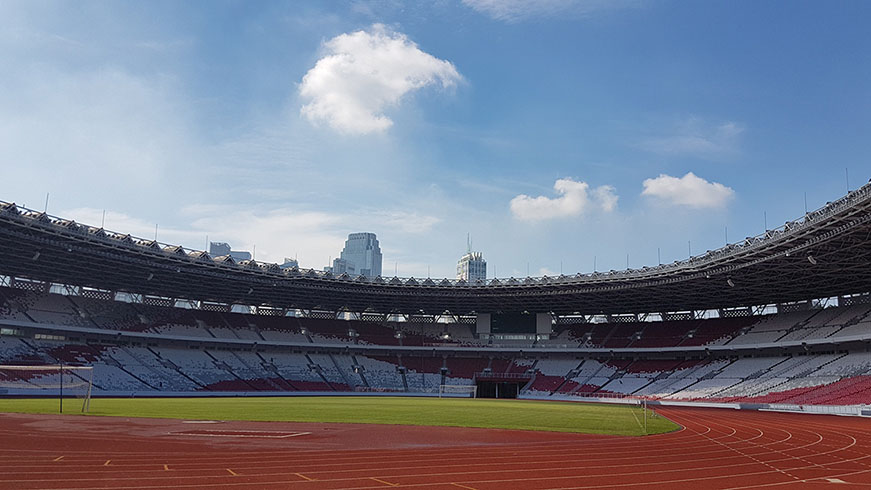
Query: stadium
[236,245]
[777,326]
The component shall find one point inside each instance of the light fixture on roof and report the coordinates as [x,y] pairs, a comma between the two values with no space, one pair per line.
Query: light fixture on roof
[730,282]
[150,276]
[250,290]
[36,256]
[811,259]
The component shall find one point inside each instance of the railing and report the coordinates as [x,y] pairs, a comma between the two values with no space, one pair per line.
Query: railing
[513,376]
[820,409]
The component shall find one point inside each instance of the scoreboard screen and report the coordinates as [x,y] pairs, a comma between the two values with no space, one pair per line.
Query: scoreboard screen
[512,323]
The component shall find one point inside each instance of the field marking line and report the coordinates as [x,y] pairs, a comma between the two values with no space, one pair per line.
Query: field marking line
[304,477]
[636,418]
[384,482]
[261,434]
[58,458]
[232,472]
[463,486]
[107,462]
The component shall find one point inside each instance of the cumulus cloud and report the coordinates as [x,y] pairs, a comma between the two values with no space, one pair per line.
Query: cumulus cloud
[575,198]
[689,190]
[698,138]
[366,72]
[518,10]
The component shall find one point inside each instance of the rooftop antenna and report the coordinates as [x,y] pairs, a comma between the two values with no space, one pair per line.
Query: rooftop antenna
[254,253]
[805,202]
[594,263]
[658,256]
[765,219]
[468,242]
[690,247]
[155,232]
[45,210]
[103,222]
[846,177]
[727,234]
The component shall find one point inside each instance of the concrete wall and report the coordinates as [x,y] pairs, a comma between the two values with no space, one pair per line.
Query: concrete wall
[483,324]
[543,323]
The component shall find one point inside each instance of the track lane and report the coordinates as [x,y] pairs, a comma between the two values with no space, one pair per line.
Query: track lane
[716,449]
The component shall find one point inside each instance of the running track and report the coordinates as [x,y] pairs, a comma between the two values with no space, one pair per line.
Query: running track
[716,449]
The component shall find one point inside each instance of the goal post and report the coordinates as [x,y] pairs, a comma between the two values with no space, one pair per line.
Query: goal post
[456,391]
[53,380]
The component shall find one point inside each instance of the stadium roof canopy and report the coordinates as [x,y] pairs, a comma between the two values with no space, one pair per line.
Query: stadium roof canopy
[825,253]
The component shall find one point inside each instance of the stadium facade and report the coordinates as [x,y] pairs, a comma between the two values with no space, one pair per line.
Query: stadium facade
[783,316]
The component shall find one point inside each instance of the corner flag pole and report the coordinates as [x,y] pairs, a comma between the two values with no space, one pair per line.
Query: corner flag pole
[645,416]
[61,385]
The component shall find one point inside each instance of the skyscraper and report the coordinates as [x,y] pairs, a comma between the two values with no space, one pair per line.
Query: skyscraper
[218,249]
[342,266]
[472,267]
[363,252]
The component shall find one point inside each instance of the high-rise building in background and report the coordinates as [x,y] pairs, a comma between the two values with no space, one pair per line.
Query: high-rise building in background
[289,264]
[342,266]
[472,267]
[220,249]
[362,253]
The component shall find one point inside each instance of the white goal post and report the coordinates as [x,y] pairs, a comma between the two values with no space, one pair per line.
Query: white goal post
[54,380]
[458,390]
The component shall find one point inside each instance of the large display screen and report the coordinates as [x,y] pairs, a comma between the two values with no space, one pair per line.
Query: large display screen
[512,323]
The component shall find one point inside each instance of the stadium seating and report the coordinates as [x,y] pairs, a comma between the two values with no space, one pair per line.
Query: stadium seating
[182,366]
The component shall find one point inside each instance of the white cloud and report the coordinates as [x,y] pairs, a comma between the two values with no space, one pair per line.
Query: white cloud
[696,137]
[73,133]
[363,74]
[407,222]
[606,196]
[575,198]
[689,190]
[518,10]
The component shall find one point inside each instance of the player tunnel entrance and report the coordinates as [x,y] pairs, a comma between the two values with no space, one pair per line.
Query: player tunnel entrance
[500,386]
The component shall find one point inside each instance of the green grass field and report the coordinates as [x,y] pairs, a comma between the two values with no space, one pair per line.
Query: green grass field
[503,414]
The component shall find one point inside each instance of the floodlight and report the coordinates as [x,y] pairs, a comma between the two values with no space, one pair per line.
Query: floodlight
[811,259]
[730,282]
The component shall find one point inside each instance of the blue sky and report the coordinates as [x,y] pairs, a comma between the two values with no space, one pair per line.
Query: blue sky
[555,131]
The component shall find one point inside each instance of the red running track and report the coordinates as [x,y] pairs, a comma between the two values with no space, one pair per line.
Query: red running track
[716,449]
